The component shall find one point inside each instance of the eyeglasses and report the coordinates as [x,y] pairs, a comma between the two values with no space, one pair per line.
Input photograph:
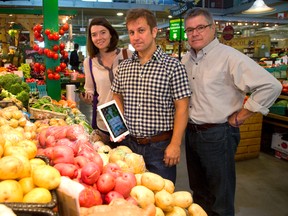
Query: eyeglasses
[199,29]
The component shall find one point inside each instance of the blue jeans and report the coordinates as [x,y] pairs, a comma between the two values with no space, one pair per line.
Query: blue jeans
[153,154]
[211,167]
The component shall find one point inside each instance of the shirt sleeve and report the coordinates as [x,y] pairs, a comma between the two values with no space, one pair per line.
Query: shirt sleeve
[263,87]
[88,86]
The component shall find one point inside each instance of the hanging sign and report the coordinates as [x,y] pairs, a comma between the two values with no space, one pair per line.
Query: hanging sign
[181,9]
[177,29]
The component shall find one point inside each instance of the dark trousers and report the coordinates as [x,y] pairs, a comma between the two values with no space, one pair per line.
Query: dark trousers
[211,167]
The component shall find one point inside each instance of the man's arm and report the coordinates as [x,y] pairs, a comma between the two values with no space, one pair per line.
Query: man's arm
[119,100]
[172,152]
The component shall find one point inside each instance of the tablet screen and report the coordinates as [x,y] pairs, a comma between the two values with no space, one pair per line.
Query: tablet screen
[113,118]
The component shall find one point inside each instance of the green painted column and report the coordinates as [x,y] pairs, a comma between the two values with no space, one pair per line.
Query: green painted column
[50,13]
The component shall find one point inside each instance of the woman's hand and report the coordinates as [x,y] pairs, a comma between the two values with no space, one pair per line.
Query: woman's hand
[86,97]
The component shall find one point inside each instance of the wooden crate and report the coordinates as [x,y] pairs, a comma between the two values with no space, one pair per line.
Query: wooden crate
[250,132]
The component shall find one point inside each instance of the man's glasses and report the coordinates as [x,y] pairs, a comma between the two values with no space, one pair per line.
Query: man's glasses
[199,29]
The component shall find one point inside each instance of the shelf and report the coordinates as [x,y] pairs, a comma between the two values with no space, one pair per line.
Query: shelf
[278,117]
[285,97]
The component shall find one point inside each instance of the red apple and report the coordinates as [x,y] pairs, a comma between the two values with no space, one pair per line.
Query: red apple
[69,170]
[124,183]
[112,195]
[132,200]
[90,173]
[62,154]
[81,161]
[112,168]
[105,183]
[89,197]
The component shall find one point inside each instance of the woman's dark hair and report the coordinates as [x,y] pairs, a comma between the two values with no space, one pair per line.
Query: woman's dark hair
[91,48]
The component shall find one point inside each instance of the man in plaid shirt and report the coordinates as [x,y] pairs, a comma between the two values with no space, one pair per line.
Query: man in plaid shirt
[152,90]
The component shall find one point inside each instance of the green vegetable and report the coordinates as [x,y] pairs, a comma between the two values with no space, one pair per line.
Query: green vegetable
[23,96]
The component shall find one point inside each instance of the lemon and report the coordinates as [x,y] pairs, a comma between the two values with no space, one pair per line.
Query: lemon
[38,195]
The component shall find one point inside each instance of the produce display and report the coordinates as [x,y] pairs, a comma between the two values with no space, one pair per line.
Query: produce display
[112,179]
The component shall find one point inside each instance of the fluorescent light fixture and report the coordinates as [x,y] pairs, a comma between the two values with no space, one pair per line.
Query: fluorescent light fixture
[258,7]
[120,14]
[89,0]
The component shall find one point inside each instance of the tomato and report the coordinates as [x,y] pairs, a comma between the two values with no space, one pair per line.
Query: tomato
[66,55]
[49,71]
[37,34]
[62,46]
[56,36]
[40,51]
[35,47]
[57,69]
[37,27]
[50,76]
[55,56]
[40,39]
[42,67]
[57,76]
[47,32]
[55,48]
[50,54]
[50,37]
[65,26]
[63,65]
[61,31]
[36,65]
[46,51]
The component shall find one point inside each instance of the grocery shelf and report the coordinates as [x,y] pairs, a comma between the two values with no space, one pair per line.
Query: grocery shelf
[284,97]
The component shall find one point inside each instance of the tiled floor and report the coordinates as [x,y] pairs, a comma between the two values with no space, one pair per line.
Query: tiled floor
[262,183]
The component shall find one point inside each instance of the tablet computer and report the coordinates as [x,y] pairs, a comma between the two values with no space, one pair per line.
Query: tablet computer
[113,120]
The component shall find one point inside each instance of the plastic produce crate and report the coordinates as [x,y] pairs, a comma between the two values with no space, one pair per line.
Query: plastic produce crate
[42,90]
[278,109]
[32,86]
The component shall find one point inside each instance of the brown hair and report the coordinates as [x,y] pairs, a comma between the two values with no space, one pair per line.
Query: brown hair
[91,48]
[136,13]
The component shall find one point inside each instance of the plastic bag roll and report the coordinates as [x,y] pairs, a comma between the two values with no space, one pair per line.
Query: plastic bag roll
[70,92]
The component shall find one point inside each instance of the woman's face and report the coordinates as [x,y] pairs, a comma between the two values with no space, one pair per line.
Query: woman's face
[100,36]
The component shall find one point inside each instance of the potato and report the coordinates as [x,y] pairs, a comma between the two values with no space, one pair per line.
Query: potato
[152,181]
[164,200]
[10,168]
[177,211]
[196,210]
[17,114]
[182,199]
[169,186]
[159,212]
[15,150]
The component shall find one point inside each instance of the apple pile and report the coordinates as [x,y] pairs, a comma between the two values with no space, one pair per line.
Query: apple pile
[72,154]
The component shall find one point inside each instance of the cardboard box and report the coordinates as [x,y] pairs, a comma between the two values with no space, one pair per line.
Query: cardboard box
[280,142]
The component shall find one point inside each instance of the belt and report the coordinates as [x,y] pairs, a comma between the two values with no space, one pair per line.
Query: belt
[202,127]
[157,138]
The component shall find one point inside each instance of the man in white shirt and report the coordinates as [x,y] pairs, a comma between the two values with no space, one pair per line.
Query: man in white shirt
[219,77]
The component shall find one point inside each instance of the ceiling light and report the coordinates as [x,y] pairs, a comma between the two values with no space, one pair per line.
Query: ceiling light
[120,14]
[258,7]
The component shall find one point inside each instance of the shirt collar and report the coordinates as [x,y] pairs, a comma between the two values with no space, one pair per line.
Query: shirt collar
[157,55]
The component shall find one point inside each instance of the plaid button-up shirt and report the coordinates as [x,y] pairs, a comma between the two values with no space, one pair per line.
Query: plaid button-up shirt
[149,92]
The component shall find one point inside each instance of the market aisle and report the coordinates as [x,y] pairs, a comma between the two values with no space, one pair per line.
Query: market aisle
[262,185]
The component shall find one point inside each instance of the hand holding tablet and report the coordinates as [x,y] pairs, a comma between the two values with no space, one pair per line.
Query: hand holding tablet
[113,120]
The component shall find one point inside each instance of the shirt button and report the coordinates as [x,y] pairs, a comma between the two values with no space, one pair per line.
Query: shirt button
[196,63]
[193,77]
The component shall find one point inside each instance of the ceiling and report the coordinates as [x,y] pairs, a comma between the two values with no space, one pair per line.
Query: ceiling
[81,12]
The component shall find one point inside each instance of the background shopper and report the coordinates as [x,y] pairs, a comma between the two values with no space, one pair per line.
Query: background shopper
[74,58]
[220,77]
[152,89]
[102,40]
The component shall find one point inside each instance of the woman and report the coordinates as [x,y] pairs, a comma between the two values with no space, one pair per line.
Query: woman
[102,40]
